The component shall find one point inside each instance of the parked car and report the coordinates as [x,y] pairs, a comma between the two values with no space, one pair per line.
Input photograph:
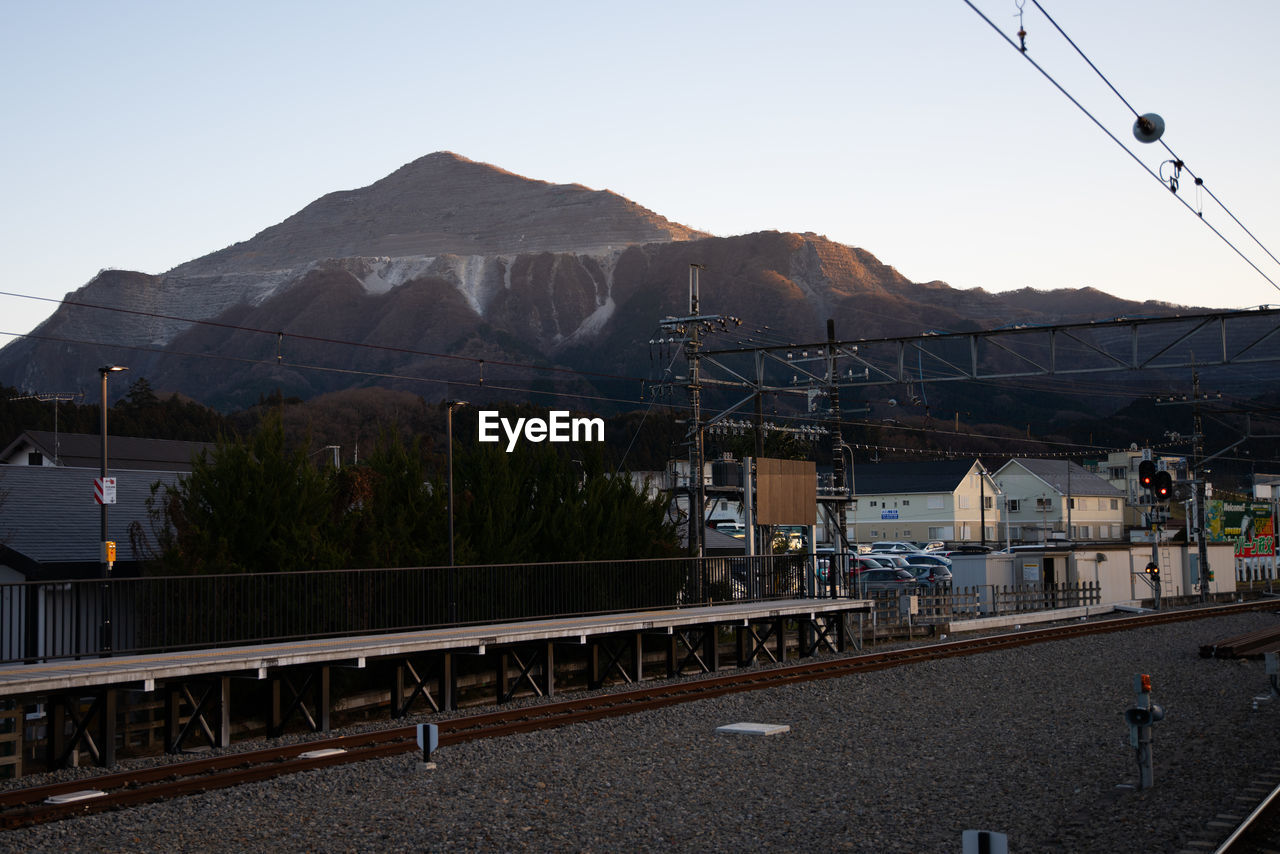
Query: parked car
[934,546]
[890,561]
[968,549]
[933,576]
[862,563]
[894,546]
[925,559]
[732,529]
[899,580]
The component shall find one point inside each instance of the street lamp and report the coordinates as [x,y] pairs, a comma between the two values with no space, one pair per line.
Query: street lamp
[107,557]
[453,572]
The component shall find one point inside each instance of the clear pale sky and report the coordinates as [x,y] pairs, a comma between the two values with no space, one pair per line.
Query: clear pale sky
[139,135]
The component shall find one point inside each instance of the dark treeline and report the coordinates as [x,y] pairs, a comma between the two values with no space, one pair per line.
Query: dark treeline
[258,506]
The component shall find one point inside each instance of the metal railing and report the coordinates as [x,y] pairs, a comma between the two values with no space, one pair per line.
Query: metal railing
[64,619]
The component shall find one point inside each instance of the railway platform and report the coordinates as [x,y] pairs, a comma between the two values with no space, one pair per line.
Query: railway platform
[80,697]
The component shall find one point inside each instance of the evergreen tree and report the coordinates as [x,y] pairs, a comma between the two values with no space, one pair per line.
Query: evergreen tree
[253,507]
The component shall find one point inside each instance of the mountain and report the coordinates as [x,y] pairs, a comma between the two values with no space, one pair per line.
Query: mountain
[451,277]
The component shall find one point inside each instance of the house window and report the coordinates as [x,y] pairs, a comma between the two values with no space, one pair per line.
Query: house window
[1015,533]
[1115,504]
[906,502]
[35,458]
[874,504]
[935,533]
[1071,502]
[988,502]
[906,532]
[1119,473]
[1013,505]
[964,502]
[935,502]
[1044,504]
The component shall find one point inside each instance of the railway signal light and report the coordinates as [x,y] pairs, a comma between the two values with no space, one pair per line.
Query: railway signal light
[1162,486]
[1146,473]
[1153,569]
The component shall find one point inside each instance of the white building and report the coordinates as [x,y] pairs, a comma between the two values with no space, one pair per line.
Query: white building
[950,500]
[1049,500]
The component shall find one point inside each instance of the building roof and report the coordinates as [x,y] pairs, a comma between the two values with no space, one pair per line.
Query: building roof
[910,477]
[1065,477]
[48,516]
[84,450]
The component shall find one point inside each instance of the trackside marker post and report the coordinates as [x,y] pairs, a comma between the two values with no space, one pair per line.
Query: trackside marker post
[984,842]
[428,741]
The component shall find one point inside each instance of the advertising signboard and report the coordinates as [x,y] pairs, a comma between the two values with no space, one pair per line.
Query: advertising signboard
[1248,524]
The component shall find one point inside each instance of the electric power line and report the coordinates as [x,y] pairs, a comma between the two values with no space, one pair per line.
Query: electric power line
[1123,147]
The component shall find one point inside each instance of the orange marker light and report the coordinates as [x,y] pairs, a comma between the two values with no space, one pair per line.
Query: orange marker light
[1146,683]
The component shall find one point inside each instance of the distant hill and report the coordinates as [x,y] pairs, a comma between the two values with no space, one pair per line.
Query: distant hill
[451,276]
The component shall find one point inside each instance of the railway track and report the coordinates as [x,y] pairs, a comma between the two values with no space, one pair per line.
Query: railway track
[39,804]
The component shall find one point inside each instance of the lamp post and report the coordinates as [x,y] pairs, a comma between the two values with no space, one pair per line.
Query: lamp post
[107,557]
[453,571]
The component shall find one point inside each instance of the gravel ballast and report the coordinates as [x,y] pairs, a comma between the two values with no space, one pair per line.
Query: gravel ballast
[1029,742]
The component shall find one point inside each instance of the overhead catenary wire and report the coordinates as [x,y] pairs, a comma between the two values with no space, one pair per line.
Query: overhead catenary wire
[1182,164]
[1026,55]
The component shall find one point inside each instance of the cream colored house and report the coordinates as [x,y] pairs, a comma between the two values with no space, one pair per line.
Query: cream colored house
[949,500]
[1047,500]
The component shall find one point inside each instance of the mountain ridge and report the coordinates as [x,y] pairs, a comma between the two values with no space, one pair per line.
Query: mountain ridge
[448,263]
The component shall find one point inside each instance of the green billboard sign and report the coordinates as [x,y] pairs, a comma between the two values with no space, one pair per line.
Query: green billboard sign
[1248,524]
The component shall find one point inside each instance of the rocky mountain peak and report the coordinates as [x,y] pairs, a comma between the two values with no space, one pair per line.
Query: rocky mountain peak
[441,204]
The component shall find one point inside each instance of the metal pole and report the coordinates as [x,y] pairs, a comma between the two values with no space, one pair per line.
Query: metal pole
[453,570]
[106,557]
[1197,455]
[105,641]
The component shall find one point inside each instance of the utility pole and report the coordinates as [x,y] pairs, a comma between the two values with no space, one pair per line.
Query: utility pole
[837,461]
[696,447]
[693,327]
[1197,482]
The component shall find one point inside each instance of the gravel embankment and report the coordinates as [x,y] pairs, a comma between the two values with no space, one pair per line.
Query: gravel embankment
[1029,742]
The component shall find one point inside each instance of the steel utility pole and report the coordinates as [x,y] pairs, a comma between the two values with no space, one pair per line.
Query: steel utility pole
[697,492]
[1197,483]
[838,447]
[693,327]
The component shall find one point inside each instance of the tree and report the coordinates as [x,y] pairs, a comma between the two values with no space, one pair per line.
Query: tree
[393,515]
[252,507]
[536,504]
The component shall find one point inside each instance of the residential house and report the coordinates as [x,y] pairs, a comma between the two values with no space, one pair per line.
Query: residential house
[50,519]
[84,450]
[949,500]
[51,524]
[1050,499]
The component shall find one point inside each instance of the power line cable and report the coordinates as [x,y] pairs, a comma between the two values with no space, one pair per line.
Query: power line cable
[1199,182]
[314,338]
[276,362]
[1123,147]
